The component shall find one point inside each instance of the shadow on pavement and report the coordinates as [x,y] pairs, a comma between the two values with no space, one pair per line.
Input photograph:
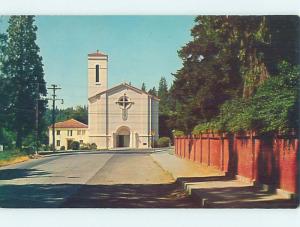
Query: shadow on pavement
[131,196]
[135,195]
[226,192]
[11,174]
[93,196]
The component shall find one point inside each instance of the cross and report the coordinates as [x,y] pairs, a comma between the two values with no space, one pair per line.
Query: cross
[124,104]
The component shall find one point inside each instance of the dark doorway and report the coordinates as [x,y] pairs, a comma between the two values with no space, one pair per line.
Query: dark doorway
[123,140]
[69,142]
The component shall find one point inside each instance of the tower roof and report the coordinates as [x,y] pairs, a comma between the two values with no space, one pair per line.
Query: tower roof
[97,54]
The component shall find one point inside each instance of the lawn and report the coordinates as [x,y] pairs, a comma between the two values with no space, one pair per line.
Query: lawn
[10,157]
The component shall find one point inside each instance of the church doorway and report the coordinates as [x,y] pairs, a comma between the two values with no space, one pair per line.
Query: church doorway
[123,137]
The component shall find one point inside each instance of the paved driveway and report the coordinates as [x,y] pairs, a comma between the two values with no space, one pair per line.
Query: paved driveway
[90,179]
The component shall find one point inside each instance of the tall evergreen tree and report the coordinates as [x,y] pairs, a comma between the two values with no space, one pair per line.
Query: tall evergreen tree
[4,97]
[163,94]
[143,88]
[152,91]
[24,70]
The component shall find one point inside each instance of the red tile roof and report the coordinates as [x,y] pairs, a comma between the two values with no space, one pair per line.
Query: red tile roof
[71,123]
[97,54]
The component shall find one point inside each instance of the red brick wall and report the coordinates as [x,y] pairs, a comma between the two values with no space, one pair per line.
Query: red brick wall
[272,162]
[245,160]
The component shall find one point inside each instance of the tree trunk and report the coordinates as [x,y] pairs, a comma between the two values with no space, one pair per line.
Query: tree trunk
[19,139]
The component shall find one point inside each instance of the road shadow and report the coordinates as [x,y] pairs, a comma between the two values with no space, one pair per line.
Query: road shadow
[243,197]
[94,196]
[227,192]
[35,195]
[11,174]
[168,195]
[131,196]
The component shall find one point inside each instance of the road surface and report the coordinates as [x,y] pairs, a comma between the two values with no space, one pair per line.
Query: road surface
[115,179]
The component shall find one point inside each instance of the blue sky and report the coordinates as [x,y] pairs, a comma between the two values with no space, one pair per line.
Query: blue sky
[140,49]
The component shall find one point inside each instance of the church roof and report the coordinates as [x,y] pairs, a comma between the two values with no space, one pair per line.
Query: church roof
[129,87]
[71,123]
[97,54]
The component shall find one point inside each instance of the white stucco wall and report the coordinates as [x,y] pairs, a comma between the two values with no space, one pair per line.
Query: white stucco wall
[105,118]
[93,86]
[64,137]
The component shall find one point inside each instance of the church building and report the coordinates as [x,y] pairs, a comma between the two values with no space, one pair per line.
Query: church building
[120,116]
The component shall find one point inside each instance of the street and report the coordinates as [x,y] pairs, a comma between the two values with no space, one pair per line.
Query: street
[112,179]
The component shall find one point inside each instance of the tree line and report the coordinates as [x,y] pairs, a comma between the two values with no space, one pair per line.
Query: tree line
[239,73]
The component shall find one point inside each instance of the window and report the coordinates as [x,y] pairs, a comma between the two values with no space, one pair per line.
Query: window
[78,132]
[57,143]
[81,141]
[83,132]
[58,132]
[97,73]
[69,132]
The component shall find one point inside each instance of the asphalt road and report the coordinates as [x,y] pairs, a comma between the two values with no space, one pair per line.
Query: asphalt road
[115,179]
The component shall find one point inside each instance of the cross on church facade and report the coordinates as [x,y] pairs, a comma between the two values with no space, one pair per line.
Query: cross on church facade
[124,103]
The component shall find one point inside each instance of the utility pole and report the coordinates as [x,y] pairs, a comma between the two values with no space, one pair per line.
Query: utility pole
[37,99]
[37,119]
[54,99]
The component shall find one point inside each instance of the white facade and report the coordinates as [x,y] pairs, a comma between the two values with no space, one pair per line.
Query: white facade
[122,116]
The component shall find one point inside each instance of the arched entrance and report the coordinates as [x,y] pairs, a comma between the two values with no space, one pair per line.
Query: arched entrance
[123,137]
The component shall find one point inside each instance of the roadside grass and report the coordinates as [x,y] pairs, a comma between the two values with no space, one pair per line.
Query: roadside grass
[11,157]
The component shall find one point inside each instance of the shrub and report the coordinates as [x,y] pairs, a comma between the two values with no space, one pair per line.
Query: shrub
[163,142]
[93,146]
[28,150]
[62,148]
[273,108]
[178,133]
[75,145]
[84,146]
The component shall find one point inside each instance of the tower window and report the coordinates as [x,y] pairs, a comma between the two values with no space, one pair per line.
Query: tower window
[97,73]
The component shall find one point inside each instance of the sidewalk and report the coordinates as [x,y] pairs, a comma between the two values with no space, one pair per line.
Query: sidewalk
[215,190]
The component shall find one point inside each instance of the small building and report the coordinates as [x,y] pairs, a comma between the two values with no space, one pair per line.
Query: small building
[68,131]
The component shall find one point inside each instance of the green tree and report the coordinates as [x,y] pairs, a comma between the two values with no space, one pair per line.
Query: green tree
[4,97]
[163,94]
[153,91]
[229,57]
[143,88]
[24,70]
[79,113]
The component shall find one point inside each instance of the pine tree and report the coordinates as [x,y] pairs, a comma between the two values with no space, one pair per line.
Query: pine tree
[24,70]
[143,88]
[153,91]
[4,97]
[163,94]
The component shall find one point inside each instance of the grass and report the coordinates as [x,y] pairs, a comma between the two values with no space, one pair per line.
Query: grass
[11,157]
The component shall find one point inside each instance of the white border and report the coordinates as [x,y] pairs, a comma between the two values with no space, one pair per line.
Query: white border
[153,7]
[146,217]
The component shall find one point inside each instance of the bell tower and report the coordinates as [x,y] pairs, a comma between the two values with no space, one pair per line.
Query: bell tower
[97,73]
